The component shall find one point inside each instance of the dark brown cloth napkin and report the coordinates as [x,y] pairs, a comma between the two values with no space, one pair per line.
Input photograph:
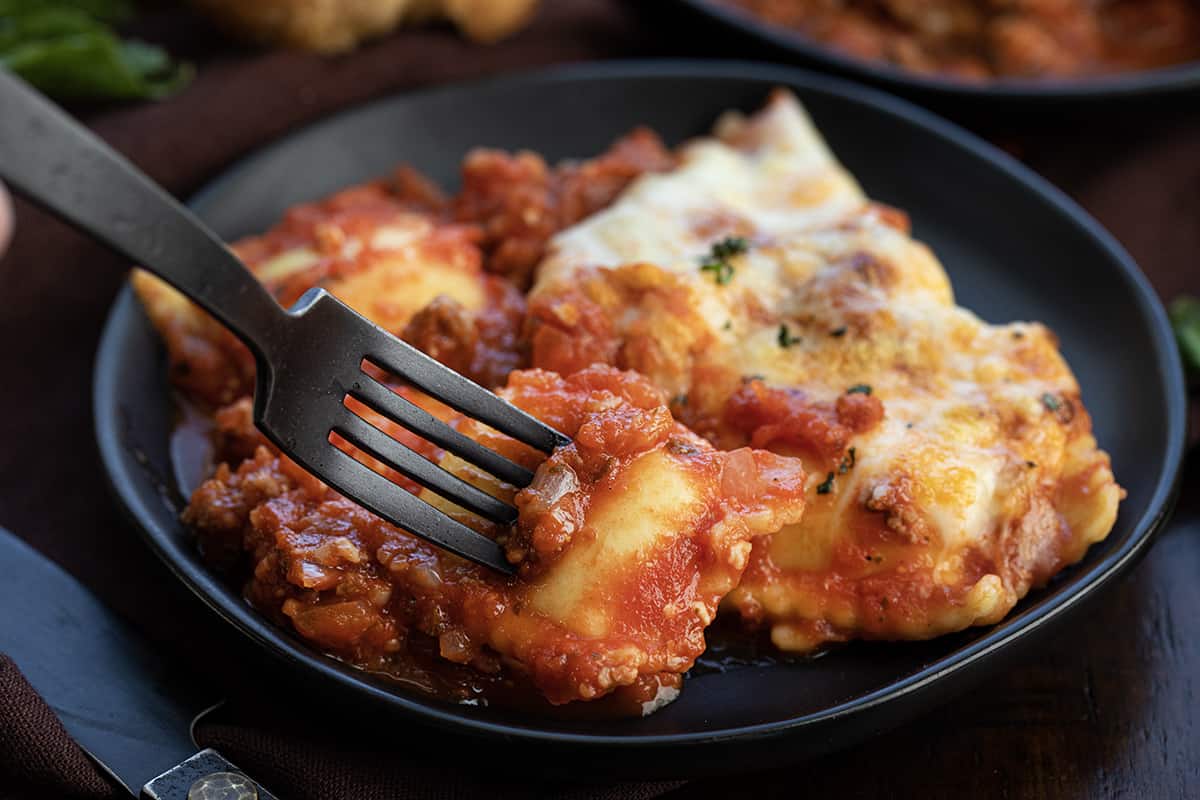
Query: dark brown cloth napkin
[38,758]
[1139,172]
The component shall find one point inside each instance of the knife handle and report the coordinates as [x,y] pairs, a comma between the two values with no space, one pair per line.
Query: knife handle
[205,776]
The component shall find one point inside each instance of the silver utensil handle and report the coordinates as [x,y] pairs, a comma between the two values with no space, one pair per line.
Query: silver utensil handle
[205,776]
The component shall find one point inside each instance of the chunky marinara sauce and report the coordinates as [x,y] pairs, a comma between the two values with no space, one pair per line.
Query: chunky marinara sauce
[628,538]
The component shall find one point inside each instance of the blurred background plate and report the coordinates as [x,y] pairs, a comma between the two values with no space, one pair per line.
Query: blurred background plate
[946,94]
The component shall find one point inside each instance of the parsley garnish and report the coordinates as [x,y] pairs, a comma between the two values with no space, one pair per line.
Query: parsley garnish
[728,325]
[722,270]
[717,260]
[1051,402]
[785,337]
[859,388]
[838,332]
[827,486]
[730,246]
[847,462]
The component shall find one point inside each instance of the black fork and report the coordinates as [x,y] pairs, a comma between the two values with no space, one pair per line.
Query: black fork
[309,358]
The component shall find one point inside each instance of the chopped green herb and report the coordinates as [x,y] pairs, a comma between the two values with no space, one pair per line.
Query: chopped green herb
[1185,318]
[680,399]
[827,486]
[730,246]
[1051,402]
[728,325]
[847,462]
[785,337]
[722,270]
[859,388]
[752,378]
[838,332]
[717,260]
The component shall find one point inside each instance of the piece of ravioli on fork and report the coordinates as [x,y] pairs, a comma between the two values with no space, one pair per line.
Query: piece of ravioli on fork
[952,463]
[627,541]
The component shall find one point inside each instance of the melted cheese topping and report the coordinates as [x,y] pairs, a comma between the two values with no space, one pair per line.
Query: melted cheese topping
[773,175]
[958,473]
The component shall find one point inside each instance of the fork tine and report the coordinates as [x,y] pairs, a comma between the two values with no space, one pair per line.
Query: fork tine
[416,419]
[405,510]
[462,393]
[364,435]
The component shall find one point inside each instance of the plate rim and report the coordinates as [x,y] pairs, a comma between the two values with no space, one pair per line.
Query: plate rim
[1172,79]
[205,584]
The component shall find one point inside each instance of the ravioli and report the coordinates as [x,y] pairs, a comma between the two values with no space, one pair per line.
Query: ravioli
[628,539]
[776,409]
[367,246]
[952,464]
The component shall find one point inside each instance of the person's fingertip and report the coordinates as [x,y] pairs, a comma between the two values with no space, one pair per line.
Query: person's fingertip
[6,220]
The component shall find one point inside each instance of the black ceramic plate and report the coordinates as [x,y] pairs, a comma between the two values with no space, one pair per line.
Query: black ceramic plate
[1015,248]
[787,44]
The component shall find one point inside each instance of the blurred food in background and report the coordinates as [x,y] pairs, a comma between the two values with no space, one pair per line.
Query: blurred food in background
[337,25]
[69,49]
[73,49]
[985,39]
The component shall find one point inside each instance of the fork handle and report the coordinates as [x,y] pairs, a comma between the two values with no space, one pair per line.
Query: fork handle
[58,163]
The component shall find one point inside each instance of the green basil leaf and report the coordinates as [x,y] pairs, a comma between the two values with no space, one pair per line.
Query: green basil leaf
[66,49]
[96,64]
[45,23]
